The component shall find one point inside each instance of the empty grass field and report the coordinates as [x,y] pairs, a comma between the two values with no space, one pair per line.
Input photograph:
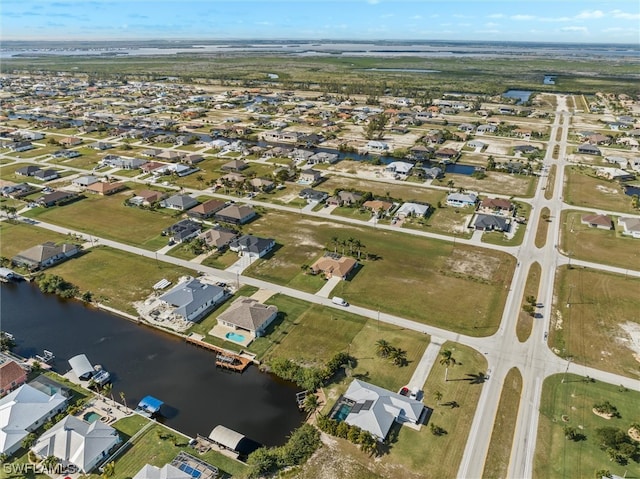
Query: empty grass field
[571,403]
[610,247]
[594,318]
[497,462]
[107,217]
[103,270]
[551,181]
[525,320]
[496,182]
[583,188]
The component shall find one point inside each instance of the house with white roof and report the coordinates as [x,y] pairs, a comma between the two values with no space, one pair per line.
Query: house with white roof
[23,411]
[412,209]
[462,200]
[77,442]
[192,299]
[630,226]
[375,409]
[166,472]
[398,168]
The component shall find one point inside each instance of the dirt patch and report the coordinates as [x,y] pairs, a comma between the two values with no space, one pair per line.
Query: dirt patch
[604,189]
[634,434]
[602,414]
[632,339]
[304,237]
[471,263]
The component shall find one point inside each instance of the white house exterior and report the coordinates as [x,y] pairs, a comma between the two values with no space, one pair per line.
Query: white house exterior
[166,472]
[630,226]
[412,209]
[23,411]
[377,146]
[193,298]
[462,200]
[398,168]
[77,442]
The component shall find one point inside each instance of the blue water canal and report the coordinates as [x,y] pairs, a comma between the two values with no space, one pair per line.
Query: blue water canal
[197,395]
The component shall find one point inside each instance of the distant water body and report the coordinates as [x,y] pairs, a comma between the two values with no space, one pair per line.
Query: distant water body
[373,49]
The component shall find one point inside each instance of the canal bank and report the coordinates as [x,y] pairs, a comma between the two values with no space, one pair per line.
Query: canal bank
[142,361]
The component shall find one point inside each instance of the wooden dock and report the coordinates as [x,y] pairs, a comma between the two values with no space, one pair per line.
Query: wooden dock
[224,358]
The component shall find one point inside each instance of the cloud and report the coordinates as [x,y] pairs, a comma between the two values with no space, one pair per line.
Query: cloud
[522,17]
[575,29]
[625,15]
[491,24]
[496,15]
[590,14]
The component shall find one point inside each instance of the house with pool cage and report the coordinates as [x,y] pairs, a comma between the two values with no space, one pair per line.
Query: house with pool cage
[374,409]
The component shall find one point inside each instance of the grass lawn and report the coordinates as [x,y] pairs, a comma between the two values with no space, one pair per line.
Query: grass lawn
[357,213]
[221,261]
[495,182]
[525,320]
[543,227]
[590,312]
[209,170]
[593,244]
[551,181]
[585,189]
[38,151]
[559,457]
[101,270]
[497,461]
[16,237]
[439,456]
[312,334]
[107,217]
[495,237]
[449,220]
[8,173]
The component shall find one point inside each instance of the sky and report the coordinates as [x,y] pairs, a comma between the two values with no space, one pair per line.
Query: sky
[579,21]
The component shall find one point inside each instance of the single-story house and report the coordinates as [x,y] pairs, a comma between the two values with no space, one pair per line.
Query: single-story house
[147,197]
[218,237]
[12,375]
[236,214]
[105,188]
[249,315]
[614,174]
[447,153]
[123,163]
[462,200]
[476,144]
[100,145]
[54,198]
[345,198]
[262,184]
[412,209]
[206,209]
[378,206]
[27,170]
[46,175]
[432,172]
[179,202]
[375,409]
[235,165]
[84,181]
[19,146]
[252,246]
[183,230]
[313,196]
[588,149]
[22,412]
[165,472]
[309,177]
[377,146]
[468,127]
[486,129]
[630,226]
[485,222]
[68,154]
[232,177]
[70,141]
[170,155]
[192,159]
[421,152]
[322,157]
[77,442]
[152,166]
[525,149]
[602,222]
[44,255]
[334,265]
[17,191]
[193,299]
[399,168]
[496,206]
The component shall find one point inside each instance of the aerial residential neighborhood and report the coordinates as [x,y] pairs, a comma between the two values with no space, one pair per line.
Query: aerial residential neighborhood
[304,263]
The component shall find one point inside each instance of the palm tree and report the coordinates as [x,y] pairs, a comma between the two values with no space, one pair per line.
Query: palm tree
[350,242]
[383,348]
[109,469]
[447,360]
[28,441]
[437,395]
[122,396]
[107,390]
[398,356]
[311,403]
[49,463]
[335,242]
[450,184]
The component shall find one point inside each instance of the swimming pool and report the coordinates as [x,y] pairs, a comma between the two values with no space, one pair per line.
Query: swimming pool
[190,470]
[238,338]
[91,416]
[342,412]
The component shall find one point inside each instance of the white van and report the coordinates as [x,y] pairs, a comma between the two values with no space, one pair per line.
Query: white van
[340,301]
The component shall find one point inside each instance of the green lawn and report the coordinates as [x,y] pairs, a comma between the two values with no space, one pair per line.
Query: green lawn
[543,227]
[221,261]
[600,246]
[500,239]
[495,182]
[583,188]
[497,462]
[102,271]
[16,237]
[525,320]
[559,457]
[107,217]
[450,221]
[591,309]
[7,172]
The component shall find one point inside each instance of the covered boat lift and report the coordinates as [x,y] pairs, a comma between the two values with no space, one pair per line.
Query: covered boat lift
[81,367]
[149,406]
[225,437]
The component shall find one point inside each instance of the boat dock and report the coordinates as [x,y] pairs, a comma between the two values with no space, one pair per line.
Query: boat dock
[224,358]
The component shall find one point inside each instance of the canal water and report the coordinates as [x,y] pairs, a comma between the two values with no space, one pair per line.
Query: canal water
[197,395]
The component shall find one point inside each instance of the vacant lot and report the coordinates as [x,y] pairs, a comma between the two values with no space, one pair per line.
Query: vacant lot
[495,182]
[102,271]
[570,404]
[17,237]
[107,217]
[595,320]
[417,278]
[499,452]
[593,244]
[583,188]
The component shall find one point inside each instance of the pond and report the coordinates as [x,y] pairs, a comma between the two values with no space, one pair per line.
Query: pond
[521,95]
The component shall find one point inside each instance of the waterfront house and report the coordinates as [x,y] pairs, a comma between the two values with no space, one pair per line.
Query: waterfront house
[614,174]
[447,154]
[12,375]
[322,157]
[44,255]
[77,442]
[252,246]
[375,409]
[602,222]
[22,412]
[484,222]
[377,146]
[206,210]
[236,214]
[165,472]
[193,299]
[462,200]
[247,314]
[398,168]
[630,226]
[218,237]
[179,202]
[334,265]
